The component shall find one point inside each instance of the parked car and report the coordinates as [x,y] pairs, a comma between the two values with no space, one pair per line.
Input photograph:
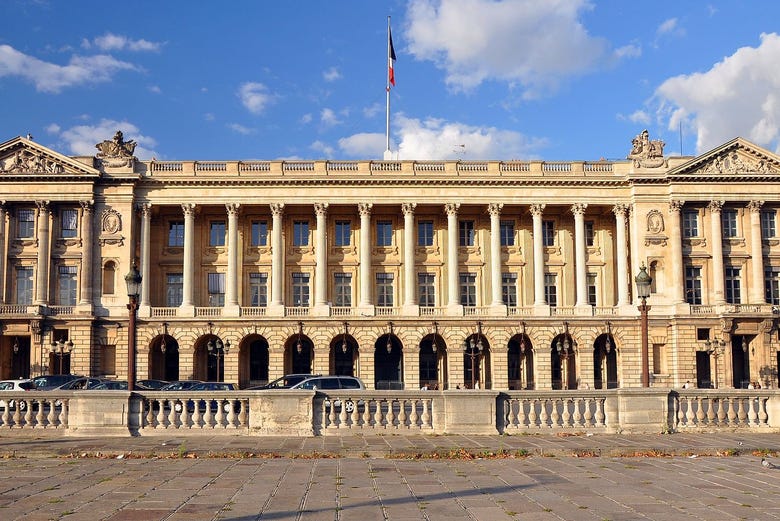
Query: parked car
[285,382]
[113,385]
[51,381]
[81,384]
[20,384]
[151,384]
[330,383]
[180,385]
[209,386]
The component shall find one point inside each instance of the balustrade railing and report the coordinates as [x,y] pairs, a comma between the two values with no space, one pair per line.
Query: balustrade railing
[163,312]
[212,411]
[377,412]
[255,311]
[720,409]
[208,312]
[543,411]
[33,411]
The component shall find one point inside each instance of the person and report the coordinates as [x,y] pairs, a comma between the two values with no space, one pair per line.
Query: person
[424,387]
[751,386]
[687,385]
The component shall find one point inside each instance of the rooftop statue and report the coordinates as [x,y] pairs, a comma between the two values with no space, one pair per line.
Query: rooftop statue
[116,152]
[647,153]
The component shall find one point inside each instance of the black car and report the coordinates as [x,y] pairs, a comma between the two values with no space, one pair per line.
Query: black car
[285,382]
[50,381]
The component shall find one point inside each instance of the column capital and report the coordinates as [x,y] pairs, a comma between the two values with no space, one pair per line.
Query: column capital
[145,209]
[451,209]
[232,208]
[87,206]
[408,208]
[494,209]
[715,206]
[321,209]
[536,209]
[579,208]
[755,206]
[364,209]
[675,206]
[43,206]
[188,209]
[621,209]
[277,209]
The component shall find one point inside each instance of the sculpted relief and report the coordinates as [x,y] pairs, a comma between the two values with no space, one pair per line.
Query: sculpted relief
[116,152]
[733,163]
[29,161]
[647,153]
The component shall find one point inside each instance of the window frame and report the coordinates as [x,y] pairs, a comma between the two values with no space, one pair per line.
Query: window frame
[385,289]
[301,231]
[425,239]
[548,233]
[342,289]
[217,239]
[342,233]
[467,289]
[69,215]
[467,233]
[175,239]
[258,289]
[384,233]
[258,230]
[25,229]
[301,289]
[426,289]
[507,232]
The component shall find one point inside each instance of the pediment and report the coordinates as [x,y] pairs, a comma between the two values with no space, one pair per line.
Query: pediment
[736,158]
[23,157]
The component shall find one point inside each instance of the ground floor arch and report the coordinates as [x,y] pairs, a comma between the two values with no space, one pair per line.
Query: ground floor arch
[520,363]
[164,358]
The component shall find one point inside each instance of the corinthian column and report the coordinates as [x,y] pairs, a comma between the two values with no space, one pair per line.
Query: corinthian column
[494,209]
[365,257]
[536,213]
[231,291]
[717,252]
[410,301]
[675,237]
[321,260]
[3,252]
[276,306]
[620,211]
[581,272]
[453,297]
[42,274]
[87,247]
[188,269]
[144,308]
[757,295]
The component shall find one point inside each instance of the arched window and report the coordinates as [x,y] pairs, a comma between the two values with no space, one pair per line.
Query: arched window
[109,276]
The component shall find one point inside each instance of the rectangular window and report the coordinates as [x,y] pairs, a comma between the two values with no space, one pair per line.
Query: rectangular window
[67,285]
[217,233]
[69,220]
[174,290]
[690,223]
[733,285]
[548,233]
[259,233]
[426,289]
[772,284]
[24,285]
[384,290]
[342,287]
[343,233]
[108,359]
[216,290]
[659,360]
[384,233]
[424,233]
[509,289]
[300,289]
[768,224]
[466,233]
[468,289]
[591,283]
[507,233]
[176,234]
[25,218]
[258,289]
[551,289]
[300,233]
[728,219]
[693,285]
[590,234]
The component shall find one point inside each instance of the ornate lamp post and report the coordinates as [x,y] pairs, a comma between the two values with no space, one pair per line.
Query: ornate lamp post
[218,350]
[714,348]
[60,349]
[564,350]
[133,281]
[643,282]
[474,350]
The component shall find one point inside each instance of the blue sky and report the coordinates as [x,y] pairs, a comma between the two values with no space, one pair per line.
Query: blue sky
[476,79]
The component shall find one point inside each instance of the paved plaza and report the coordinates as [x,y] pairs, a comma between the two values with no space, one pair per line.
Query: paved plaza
[671,477]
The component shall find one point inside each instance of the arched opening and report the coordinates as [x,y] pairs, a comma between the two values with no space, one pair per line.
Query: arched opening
[433,363]
[740,360]
[388,366]
[563,361]
[520,363]
[253,358]
[298,354]
[109,278]
[210,353]
[164,358]
[343,355]
[15,357]
[476,362]
[605,374]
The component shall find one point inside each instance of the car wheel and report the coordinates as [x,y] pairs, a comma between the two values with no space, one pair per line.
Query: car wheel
[349,406]
[22,405]
[177,407]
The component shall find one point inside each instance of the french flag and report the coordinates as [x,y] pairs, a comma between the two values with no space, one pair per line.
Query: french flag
[390,58]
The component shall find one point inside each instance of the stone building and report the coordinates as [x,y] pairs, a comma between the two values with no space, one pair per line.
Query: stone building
[439,274]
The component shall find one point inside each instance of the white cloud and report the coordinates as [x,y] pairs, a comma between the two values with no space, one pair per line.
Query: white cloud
[306,119]
[638,116]
[53,129]
[240,129]
[628,51]
[325,149]
[331,75]
[738,96]
[372,110]
[255,97]
[50,77]
[531,43]
[118,42]
[328,118]
[81,139]
[667,26]
[364,145]
[209,116]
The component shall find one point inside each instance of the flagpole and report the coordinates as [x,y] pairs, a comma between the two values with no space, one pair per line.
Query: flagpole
[388,154]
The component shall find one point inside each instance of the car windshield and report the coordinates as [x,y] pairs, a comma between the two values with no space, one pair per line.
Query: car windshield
[288,381]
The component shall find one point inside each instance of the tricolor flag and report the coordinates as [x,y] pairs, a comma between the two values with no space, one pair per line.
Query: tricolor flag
[390,58]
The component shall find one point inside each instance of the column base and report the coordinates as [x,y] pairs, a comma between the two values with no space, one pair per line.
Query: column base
[541,310]
[274,310]
[145,311]
[186,311]
[583,310]
[231,310]
[319,310]
[366,310]
[498,310]
[454,310]
[410,310]
[84,308]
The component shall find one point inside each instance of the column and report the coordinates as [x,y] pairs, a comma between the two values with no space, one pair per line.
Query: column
[42,274]
[581,271]
[365,257]
[87,247]
[276,306]
[188,268]
[321,261]
[536,213]
[145,306]
[453,300]
[620,211]
[231,307]
[718,275]
[3,252]
[494,209]
[410,298]
[756,294]
[675,237]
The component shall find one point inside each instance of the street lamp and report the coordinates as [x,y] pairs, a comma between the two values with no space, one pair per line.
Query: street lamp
[643,282]
[60,349]
[299,344]
[714,348]
[133,281]
[218,350]
[564,349]
[344,345]
[473,350]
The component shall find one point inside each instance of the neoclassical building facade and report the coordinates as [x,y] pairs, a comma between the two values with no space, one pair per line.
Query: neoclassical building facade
[506,275]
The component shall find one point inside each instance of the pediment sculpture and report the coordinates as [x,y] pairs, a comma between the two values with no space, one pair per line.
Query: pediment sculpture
[733,163]
[647,153]
[116,152]
[25,161]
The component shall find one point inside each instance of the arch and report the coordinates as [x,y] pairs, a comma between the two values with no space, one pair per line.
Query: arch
[298,354]
[343,355]
[209,358]
[740,361]
[15,362]
[388,362]
[605,373]
[563,362]
[433,363]
[164,358]
[109,277]
[476,362]
[520,363]
[253,361]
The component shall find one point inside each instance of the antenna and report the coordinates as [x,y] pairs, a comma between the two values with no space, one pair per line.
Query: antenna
[681,149]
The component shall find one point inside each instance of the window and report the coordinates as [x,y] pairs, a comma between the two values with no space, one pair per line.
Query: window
[342,286]
[258,289]
[591,283]
[733,286]
[174,290]
[176,234]
[466,232]
[590,234]
[108,359]
[690,223]
[24,285]
[509,289]
[216,290]
[426,289]
[659,359]
[217,233]
[548,233]
[507,233]
[300,233]
[693,285]
[768,224]
[550,289]
[109,278]
[26,223]
[259,233]
[384,290]
[68,222]
[424,233]
[300,289]
[468,289]
[384,233]
[343,233]
[772,284]
[66,283]
[728,219]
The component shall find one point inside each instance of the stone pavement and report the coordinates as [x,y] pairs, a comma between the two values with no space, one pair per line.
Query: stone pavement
[600,477]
